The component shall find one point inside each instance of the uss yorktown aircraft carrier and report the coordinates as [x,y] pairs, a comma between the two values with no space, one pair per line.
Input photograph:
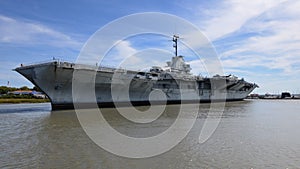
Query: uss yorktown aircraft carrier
[175,81]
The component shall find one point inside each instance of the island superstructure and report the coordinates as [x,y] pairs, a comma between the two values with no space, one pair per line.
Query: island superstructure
[175,80]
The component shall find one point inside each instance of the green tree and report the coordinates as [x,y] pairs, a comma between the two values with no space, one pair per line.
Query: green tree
[24,88]
[36,89]
[5,89]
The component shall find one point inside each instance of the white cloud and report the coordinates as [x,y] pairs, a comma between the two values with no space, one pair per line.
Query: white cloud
[259,40]
[231,15]
[124,55]
[120,53]
[278,47]
[15,31]
[125,49]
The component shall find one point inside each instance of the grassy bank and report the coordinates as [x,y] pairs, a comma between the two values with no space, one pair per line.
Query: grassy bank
[22,100]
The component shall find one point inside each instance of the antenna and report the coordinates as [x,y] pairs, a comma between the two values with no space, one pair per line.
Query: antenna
[175,40]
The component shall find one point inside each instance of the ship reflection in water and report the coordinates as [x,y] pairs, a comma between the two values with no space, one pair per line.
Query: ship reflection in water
[251,134]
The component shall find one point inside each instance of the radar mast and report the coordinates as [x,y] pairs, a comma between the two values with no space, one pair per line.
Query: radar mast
[175,40]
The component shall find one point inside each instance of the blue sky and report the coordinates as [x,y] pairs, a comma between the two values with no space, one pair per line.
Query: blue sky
[257,40]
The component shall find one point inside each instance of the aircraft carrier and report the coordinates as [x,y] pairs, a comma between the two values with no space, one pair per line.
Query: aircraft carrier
[121,87]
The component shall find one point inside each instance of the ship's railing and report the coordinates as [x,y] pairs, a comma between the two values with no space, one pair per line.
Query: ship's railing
[41,62]
[90,67]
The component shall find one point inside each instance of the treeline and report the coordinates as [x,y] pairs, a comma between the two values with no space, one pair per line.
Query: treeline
[6,89]
[6,95]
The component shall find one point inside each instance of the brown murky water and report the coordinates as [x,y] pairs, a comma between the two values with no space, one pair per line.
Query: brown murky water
[251,134]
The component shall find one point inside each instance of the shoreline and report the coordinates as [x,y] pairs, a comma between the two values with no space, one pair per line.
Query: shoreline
[22,100]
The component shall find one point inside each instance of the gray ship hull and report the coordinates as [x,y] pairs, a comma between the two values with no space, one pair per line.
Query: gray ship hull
[55,80]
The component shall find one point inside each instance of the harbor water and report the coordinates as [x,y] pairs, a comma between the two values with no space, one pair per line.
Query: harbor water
[251,134]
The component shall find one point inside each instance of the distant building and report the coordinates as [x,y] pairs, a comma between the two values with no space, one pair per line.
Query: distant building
[253,96]
[21,92]
[285,95]
[296,96]
[269,96]
[33,93]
